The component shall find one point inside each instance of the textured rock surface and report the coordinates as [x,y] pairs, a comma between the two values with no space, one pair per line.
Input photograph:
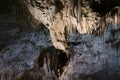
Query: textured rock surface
[92,57]
[61,17]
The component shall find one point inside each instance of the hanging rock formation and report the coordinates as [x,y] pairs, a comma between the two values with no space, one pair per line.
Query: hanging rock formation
[59,40]
[63,16]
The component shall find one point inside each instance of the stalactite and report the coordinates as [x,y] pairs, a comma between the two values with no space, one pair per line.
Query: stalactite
[79,11]
[101,27]
[66,13]
[103,30]
[73,6]
[115,21]
[118,15]
[107,20]
[87,28]
[76,11]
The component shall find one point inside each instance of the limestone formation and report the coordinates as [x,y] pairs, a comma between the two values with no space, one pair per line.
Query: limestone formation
[63,16]
[59,40]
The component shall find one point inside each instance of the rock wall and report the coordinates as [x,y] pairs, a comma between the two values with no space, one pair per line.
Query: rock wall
[85,35]
[62,17]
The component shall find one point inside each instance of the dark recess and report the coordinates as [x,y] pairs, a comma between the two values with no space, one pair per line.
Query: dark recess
[55,57]
[59,6]
[104,6]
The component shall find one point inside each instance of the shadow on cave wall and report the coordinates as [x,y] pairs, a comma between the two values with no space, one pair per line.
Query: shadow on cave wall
[104,6]
[55,60]
[15,19]
[106,75]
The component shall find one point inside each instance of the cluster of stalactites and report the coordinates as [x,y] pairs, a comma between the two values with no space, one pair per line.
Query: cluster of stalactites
[74,16]
[76,11]
[112,17]
[73,8]
[71,14]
